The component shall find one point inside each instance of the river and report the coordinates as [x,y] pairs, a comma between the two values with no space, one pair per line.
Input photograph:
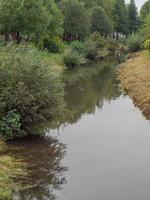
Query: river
[99,152]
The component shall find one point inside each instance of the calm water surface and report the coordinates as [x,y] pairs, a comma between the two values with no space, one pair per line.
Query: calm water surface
[100,152]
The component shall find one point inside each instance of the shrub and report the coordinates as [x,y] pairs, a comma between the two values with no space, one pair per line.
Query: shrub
[135,42]
[112,45]
[79,47]
[96,37]
[71,58]
[51,44]
[31,91]
[91,49]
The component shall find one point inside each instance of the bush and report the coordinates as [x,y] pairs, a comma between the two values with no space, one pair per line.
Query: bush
[10,125]
[53,45]
[98,39]
[31,91]
[91,49]
[79,47]
[71,58]
[113,45]
[135,42]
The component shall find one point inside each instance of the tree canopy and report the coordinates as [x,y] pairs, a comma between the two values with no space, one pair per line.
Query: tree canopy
[133,16]
[23,17]
[100,21]
[121,17]
[145,30]
[76,18]
[145,10]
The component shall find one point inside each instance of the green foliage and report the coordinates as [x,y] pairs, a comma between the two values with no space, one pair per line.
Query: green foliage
[76,19]
[30,86]
[72,58]
[147,45]
[51,44]
[91,49]
[10,126]
[121,17]
[89,3]
[132,16]
[145,10]
[55,26]
[112,45]
[100,21]
[145,30]
[28,19]
[135,42]
[98,39]
[79,47]
[108,6]
[23,17]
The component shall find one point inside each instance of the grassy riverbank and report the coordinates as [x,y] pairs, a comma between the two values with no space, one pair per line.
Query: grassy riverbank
[135,78]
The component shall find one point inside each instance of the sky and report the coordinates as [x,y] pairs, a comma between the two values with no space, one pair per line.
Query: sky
[139,3]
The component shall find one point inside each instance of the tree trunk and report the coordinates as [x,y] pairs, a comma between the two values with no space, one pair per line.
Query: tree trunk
[18,37]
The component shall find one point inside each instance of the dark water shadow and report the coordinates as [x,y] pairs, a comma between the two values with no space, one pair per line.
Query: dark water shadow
[44,171]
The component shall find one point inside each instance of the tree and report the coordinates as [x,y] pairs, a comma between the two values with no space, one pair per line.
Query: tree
[145,30]
[121,17]
[145,10]
[76,19]
[22,17]
[55,26]
[108,6]
[89,3]
[132,16]
[100,21]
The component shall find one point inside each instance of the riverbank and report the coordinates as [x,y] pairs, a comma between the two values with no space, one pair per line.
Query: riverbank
[135,79]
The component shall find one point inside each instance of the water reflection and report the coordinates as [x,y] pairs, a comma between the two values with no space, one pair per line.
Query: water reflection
[86,95]
[42,157]
[86,90]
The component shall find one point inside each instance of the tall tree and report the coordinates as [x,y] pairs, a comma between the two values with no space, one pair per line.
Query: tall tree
[76,19]
[145,30]
[108,6]
[55,26]
[145,10]
[100,21]
[132,16]
[22,17]
[121,17]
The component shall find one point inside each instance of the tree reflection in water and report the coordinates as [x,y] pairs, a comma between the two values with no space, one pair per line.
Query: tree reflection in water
[43,156]
[45,173]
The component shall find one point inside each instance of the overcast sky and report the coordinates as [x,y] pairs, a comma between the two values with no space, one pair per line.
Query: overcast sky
[139,3]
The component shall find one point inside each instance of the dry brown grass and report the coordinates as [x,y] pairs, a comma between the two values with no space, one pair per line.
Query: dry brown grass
[135,79]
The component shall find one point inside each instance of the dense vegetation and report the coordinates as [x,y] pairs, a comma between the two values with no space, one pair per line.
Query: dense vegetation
[32,32]
[39,39]
[30,90]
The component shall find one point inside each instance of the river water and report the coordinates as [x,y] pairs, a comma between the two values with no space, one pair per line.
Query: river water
[101,151]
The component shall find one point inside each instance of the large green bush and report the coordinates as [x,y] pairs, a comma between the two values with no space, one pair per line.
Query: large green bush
[135,42]
[31,90]
[52,44]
